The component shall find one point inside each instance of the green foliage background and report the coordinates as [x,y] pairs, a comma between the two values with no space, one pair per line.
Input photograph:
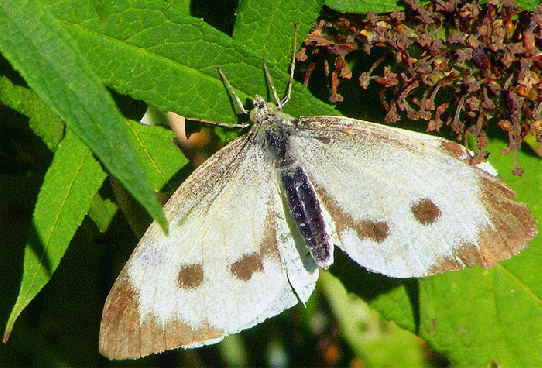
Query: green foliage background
[78,154]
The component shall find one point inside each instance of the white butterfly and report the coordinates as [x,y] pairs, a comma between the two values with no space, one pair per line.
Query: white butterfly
[250,228]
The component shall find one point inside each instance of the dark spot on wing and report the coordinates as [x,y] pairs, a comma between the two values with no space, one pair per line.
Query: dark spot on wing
[377,231]
[190,276]
[244,268]
[426,212]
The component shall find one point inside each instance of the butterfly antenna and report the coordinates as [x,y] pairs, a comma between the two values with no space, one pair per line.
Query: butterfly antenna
[292,69]
[270,81]
[237,99]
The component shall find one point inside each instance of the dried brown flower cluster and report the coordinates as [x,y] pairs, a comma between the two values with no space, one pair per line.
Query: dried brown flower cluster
[458,63]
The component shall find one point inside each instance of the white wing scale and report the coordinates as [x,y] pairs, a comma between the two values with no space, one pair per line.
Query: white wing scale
[228,263]
[406,204]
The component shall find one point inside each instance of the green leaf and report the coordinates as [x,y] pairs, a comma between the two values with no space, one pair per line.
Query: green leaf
[528,4]
[160,157]
[379,343]
[39,48]
[363,6]
[169,59]
[162,161]
[102,212]
[267,28]
[43,121]
[64,199]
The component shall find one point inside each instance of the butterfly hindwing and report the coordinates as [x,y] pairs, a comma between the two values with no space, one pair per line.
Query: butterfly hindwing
[406,204]
[228,263]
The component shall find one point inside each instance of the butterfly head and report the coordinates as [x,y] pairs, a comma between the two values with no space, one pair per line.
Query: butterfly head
[262,110]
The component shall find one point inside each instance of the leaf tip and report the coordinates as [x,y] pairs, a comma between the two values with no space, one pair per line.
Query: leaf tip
[6,335]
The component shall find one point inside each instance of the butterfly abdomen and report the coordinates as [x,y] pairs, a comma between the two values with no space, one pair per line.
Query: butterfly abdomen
[303,204]
[305,210]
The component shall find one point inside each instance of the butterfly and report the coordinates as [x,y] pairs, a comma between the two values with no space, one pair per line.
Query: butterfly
[252,226]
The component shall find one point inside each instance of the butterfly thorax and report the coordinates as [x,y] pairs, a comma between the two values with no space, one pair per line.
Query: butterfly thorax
[271,130]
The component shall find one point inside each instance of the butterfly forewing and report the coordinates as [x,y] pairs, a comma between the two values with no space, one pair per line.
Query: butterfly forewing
[406,204]
[223,268]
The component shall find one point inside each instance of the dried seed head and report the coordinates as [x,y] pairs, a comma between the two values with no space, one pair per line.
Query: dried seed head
[457,62]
